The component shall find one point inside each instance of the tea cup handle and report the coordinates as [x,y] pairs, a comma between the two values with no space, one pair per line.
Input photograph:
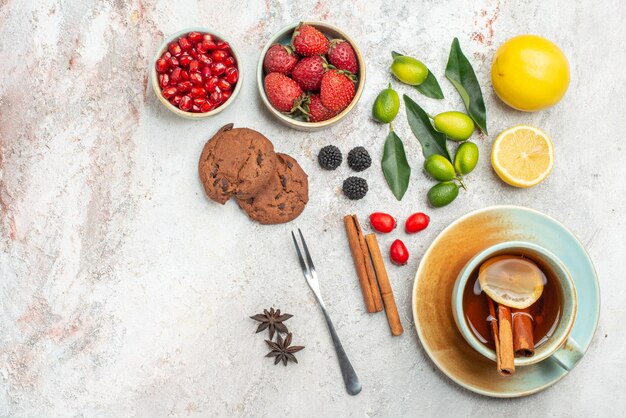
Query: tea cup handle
[568,354]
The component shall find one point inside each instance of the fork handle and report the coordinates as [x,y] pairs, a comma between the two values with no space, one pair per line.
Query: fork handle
[350,378]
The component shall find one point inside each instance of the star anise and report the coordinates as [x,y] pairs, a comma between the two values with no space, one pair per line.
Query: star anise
[282,351]
[272,320]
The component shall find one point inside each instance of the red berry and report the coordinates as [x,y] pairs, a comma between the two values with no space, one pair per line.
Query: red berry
[416,222]
[194,37]
[185,103]
[169,92]
[336,91]
[398,253]
[308,72]
[175,76]
[342,56]
[164,80]
[282,92]
[197,92]
[161,65]
[218,55]
[185,60]
[308,41]
[184,43]
[184,86]
[211,84]
[317,111]
[232,75]
[175,49]
[194,66]
[279,59]
[196,78]
[218,68]
[382,222]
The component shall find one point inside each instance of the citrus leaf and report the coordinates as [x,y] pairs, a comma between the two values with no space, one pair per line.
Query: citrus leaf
[430,87]
[461,74]
[432,142]
[395,165]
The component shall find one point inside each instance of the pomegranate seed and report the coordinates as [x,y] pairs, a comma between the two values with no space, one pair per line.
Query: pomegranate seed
[226,95]
[184,86]
[194,53]
[222,45]
[185,60]
[173,62]
[204,59]
[216,96]
[232,75]
[194,37]
[167,55]
[174,48]
[218,55]
[175,76]
[205,72]
[223,84]
[169,92]
[230,61]
[185,103]
[209,45]
[211,84]
[164,80]
[196,78]
[176,100]
[194,66]
[218,68]
[195,109]
[207,37]
[197,92]
[161,65]
[199,101]
[184,44]
[206,107]
[184,75]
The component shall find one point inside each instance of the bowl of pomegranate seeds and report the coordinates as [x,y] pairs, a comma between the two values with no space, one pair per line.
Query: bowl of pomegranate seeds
[196,73]
[310,75]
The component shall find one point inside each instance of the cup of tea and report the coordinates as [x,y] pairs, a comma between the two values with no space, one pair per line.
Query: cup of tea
[549,318]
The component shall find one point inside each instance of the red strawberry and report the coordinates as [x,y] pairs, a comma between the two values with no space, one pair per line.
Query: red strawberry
[279,59]
[308,41]
[282,92]
[317,111]
[309,71]
[342,56]
[337,90]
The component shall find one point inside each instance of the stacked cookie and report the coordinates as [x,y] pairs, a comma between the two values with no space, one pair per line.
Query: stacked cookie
[270,187]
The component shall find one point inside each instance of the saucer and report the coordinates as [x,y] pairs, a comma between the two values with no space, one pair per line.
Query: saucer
[438,271]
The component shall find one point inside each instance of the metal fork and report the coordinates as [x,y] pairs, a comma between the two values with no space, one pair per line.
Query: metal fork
[351,380]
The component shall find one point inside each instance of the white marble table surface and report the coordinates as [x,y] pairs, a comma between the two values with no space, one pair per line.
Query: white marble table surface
[124,292]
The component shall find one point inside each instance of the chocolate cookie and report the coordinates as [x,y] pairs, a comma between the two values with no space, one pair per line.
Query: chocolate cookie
[283,198]
[236,162]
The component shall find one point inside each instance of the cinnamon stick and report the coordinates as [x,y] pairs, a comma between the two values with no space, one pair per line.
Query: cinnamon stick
[505,339]
[391,310]
[523,338]
[493,319]
[362,263]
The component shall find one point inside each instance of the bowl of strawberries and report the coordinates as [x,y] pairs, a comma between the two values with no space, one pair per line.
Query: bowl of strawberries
[310,75]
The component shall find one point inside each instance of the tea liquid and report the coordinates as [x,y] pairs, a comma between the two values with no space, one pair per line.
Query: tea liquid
[546,311]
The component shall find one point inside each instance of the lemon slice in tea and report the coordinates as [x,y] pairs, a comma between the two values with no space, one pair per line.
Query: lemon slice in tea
[512,281]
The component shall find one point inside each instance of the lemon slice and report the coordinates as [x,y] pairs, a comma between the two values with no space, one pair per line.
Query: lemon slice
[511,281]
[522,156]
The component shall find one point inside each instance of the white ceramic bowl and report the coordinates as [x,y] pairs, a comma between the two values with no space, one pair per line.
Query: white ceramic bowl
[283,36]
[155,79]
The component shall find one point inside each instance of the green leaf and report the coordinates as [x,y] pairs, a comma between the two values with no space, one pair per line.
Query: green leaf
[432,142]
[430,86]
[461,74]
[395,165]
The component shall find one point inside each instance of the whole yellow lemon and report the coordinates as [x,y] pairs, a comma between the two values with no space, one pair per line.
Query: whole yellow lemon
[530,73]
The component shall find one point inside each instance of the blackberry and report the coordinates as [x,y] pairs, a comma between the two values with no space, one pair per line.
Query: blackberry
[359,159]
[329,157]
[355,188]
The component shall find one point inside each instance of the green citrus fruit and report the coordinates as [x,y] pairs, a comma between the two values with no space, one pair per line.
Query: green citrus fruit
[386,105]
[466,158]
[409,70]
[439,167]
[456,125]
[443,194]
